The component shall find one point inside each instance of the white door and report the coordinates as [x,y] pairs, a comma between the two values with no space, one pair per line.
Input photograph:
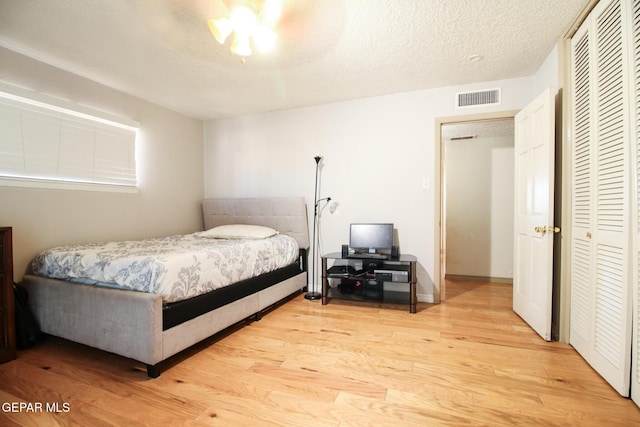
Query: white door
[534,227]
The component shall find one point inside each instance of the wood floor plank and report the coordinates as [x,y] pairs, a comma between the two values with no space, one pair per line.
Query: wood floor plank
[447,413]
[468,361]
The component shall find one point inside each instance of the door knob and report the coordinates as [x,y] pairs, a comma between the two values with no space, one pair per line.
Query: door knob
[547,229]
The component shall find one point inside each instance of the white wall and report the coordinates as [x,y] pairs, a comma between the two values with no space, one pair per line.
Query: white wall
[377,154]
[480,202]
[547,75]
[170,173]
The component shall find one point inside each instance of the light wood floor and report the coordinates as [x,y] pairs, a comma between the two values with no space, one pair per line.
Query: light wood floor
[469,361]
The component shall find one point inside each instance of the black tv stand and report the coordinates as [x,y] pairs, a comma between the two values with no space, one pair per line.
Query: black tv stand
[368,285]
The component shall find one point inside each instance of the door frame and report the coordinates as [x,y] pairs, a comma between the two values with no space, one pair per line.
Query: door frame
[439,286]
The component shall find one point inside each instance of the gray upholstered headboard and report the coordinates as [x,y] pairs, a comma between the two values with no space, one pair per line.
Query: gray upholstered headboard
[288,215]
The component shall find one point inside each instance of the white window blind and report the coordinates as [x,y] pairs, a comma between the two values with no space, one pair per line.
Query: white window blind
[41,142]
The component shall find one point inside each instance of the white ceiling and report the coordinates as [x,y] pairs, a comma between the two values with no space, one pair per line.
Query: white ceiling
[328,50]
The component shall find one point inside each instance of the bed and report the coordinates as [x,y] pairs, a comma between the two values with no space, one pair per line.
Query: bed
[144,326]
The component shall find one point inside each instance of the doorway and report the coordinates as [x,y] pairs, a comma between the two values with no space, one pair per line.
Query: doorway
[475,212]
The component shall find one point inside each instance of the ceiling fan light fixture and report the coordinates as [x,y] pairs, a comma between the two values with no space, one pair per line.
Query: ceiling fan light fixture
[220,28]
[248,20]
[271,12]
[244,21]
[241,45]
[264,38]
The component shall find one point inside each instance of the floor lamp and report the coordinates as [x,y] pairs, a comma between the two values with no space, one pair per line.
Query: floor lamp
[313,294]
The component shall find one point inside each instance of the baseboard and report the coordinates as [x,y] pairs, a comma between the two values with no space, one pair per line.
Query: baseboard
[505,280]
[428,298]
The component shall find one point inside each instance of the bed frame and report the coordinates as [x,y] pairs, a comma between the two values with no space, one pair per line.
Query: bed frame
[130,323]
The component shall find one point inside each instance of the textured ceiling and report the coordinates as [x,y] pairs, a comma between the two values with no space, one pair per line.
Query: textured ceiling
[328,50]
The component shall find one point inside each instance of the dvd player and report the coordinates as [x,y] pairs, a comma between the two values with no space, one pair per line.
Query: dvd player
[401,276]
[368,256]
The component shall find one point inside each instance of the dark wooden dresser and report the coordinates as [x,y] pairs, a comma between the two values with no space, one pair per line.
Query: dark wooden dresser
[7,319]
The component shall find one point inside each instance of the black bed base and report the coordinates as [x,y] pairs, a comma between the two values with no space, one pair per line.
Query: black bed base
[179,312]
[153,371]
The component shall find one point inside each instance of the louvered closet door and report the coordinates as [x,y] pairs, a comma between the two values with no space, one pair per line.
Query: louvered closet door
[635,260]
[582,190]
[601,295]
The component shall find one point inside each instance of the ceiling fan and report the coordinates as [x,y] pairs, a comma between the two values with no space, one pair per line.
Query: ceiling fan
[251,22]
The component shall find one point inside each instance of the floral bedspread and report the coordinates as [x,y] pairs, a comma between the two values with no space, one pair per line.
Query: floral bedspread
[176,267]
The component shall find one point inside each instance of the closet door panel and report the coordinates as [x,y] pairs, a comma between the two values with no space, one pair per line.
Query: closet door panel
[604,290]
[610,343]
[612,320]
[581,300]
[582,190]
[635,114]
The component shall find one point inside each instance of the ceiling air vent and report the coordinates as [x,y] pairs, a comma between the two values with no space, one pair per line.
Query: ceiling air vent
[478,97]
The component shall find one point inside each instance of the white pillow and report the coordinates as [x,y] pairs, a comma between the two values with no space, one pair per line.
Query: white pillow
[239,231]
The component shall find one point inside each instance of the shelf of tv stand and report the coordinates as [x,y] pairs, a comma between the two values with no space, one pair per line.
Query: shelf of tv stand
[369,289]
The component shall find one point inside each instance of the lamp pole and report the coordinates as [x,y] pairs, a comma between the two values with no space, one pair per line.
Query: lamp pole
[313,294]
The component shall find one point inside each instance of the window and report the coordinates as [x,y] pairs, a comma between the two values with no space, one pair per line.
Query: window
[42,144]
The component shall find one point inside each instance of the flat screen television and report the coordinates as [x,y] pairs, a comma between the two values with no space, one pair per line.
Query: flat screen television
[370,237]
